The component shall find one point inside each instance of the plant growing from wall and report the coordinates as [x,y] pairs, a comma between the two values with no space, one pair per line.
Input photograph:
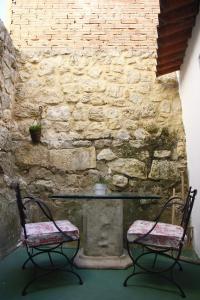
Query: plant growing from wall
[36,128]
[35,132]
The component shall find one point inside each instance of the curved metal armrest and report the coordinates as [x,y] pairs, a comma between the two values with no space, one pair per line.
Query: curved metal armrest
[45,209]
[171,201]
[167,204]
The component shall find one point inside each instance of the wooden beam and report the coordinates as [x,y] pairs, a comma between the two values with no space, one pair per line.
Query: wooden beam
[176,21]
[168,58]
[178,47]
[166,30]
[166,71]
[175,16]
[176,64]
[169,64]
[168,5]
[174,38]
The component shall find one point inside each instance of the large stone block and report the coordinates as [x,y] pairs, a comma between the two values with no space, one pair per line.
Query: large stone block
[96,114]
[32,155]
[106,154]
[49,95]
[91,86]
[147,110]
[120,180]
[123,135]
[6,100]
[4,137]
[60,113]
[6,70]
[130,167]
[6,164]
[115,91]
[141,134]
[26,110]
[163,169]
[112,113]
[162,153]
[48,65]
[80,114]
[95,72]
[133,77]
[73,159]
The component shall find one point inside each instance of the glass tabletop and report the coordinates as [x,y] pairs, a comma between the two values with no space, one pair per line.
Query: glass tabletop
[105,196]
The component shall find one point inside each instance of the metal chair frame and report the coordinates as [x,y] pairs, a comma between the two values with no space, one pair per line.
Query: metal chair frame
[49,248]
[169,252]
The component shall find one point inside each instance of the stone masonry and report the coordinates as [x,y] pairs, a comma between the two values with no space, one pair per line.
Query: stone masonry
[90,65]
[104,114]
[8,220]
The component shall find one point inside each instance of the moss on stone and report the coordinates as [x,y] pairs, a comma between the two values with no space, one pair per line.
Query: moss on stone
[126,150]
[162,139]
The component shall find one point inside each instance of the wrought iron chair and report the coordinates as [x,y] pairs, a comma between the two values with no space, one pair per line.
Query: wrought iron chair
[45,238]
[160,239]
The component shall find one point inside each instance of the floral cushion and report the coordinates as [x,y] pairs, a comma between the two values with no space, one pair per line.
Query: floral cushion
[46,233]
[163,235]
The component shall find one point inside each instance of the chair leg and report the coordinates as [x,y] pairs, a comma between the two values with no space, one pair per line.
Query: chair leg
[171,279]
[133,272]
[24,292]
[32,255]
[127,278]
[26,261]
[29,257]
[154,272]
[129,251]
[154,261]
[76,251]
[180,266]
[50,259]
[52,267]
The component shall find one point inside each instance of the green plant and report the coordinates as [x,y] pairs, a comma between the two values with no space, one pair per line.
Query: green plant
[35,127]
[35,133]
[103,179]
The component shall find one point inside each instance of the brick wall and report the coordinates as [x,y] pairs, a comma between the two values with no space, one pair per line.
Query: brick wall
[84,23]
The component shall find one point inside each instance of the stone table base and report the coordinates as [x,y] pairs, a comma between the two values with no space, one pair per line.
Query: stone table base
[102,262]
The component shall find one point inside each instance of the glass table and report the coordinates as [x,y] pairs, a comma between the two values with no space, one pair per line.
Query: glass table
[103,228]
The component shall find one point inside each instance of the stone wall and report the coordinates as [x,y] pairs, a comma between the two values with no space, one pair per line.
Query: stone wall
[8,218]
[104,115]
[91,66]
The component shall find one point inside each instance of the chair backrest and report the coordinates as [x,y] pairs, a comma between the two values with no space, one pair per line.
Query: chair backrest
[21,208]
[21,204]
[187,210]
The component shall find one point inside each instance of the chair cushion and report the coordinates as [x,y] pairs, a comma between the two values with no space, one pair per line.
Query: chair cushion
[163,235]
[42,233]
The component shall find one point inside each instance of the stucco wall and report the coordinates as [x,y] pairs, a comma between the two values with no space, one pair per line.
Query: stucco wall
[8,213]
[189,91]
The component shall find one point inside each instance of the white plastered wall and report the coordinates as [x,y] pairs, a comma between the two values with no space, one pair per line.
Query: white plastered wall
[8,14]
[189,87]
